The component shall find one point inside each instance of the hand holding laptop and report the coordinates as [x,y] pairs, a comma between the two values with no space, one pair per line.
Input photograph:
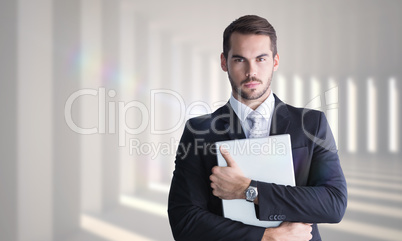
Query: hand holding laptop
[228,182]
[266,159]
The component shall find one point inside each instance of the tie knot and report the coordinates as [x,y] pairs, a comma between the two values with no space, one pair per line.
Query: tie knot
[254,116]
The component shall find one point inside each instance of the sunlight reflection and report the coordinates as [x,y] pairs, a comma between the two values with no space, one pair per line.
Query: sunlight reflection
[352,116]
[365,229]
[380,210]
[371,116]
[144,205]
[298,91]
[109,231]
[393,116]
[376,195]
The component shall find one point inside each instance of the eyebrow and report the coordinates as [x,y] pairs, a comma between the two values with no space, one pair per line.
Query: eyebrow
[241,57]
[262,55]
[237,56]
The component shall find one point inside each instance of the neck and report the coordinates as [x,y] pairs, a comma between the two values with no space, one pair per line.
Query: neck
[253,104]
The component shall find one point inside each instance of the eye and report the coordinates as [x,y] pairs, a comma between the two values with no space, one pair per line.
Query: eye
[261,59]
[238,60]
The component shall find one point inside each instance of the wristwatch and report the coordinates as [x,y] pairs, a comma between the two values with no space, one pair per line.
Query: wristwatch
[251,191]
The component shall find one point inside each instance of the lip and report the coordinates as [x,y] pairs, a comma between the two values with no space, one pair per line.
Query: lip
[252,84]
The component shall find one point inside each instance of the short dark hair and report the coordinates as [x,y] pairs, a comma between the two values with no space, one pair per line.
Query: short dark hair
[249,24]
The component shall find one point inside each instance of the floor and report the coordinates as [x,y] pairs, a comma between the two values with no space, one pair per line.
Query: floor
[374,209]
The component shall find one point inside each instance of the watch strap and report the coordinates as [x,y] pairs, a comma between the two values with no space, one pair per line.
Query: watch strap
[252,191]
[253,183]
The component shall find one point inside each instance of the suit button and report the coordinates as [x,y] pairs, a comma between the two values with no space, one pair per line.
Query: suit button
[271,217]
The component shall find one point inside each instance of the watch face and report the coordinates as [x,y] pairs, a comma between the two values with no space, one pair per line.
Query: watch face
[251,193]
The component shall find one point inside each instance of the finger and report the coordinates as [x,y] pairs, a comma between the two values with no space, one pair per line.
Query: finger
[215,193]
[212,178]
[213,185]
[228,158]
[215,169]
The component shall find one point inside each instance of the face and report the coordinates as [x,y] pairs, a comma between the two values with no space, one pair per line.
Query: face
[250,66]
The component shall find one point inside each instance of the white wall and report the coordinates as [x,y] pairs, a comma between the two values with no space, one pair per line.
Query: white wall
[57,183]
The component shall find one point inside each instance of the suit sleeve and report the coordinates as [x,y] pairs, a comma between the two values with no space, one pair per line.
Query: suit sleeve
[323,199]
[189,216]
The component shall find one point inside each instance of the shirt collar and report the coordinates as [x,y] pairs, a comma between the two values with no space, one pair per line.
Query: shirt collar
[266,109]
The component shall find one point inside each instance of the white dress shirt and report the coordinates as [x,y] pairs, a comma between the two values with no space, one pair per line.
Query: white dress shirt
[266,109]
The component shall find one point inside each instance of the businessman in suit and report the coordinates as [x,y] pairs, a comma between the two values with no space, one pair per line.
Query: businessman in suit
[198,185]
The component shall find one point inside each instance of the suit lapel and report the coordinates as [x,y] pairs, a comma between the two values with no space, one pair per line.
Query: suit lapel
[279,125]
[280,119]
[232,123]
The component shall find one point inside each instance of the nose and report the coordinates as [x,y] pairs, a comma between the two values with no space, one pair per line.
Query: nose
[251,69]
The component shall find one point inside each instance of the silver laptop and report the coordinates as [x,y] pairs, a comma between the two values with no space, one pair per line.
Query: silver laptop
[267,159]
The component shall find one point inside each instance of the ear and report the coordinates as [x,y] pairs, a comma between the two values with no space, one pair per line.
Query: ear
[224,65]
[276,62]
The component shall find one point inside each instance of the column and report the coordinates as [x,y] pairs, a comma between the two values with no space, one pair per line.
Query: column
[214,81]
[344,65]
[298,90]
[393,115]
[158,105]
[178,85]
[313,90]
[127,89]
[280,86]
[205,79]
[361,117]
[92,110]
[293,51]
[397,58]
[169,111]
[66,142]
[360,59]
[333,64]
[395,80]
[111,82]
[316,67]
[141,94]
[35,121]
[282,79]
[196,74]
[330,98]
[386,53]
[187,72]
[343,105]
[8,127]
[225,87]
[372,109]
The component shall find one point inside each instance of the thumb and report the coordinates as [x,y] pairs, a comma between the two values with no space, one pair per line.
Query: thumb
[226,155]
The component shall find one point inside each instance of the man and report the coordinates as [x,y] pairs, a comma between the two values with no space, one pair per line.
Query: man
[198,185]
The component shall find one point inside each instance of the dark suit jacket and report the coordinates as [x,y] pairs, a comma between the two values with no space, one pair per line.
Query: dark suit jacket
[320,195]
